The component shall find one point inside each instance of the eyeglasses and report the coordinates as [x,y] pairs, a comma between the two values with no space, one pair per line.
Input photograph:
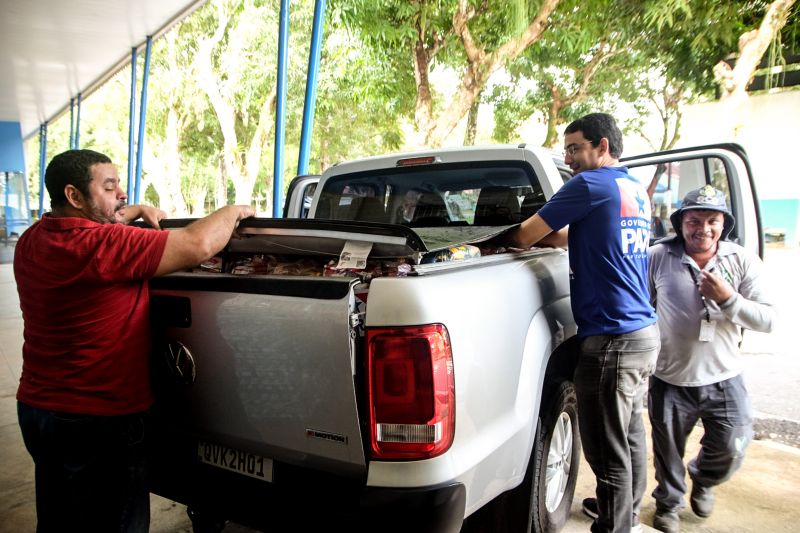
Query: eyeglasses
[572,148]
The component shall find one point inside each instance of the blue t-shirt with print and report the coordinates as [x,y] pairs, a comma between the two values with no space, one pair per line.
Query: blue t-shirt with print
[608,213]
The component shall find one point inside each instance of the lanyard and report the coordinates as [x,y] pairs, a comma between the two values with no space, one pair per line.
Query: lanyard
[702,298]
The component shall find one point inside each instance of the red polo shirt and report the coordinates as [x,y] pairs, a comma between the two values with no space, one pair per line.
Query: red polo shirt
[85,306]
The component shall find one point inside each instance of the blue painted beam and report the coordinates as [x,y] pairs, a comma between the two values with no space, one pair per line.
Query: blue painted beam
[77,125]
[142,115]
[280,113]
[12,151]
[131,122]
[6,206]
[42,164]
[311,87]
[15,202]
[74,121]
[71,123]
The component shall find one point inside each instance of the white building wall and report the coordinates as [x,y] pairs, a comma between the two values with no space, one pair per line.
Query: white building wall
[768,126]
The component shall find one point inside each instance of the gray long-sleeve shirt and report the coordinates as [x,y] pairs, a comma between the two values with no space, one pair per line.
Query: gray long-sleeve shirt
[684,360]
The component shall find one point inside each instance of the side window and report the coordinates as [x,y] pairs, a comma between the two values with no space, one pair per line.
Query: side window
[308,196]
[668,183]
[719,177]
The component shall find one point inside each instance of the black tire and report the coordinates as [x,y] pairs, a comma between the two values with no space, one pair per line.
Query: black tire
[203,522]
[526,508]
[556,458]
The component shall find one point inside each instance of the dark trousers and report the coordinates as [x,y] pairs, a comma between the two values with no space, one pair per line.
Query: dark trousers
[726,413]
[90,470]
[610,385]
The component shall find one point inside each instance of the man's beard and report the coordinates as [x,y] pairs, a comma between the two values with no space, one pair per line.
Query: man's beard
[97,214]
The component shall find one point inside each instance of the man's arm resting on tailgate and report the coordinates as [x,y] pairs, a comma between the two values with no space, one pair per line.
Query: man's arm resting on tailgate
[535,230]
[201,239]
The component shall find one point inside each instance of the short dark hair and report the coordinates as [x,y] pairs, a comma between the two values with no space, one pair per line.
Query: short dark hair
[595,126]
[71,168]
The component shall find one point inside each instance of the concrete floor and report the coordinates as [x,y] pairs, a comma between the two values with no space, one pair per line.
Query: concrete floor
[762,497]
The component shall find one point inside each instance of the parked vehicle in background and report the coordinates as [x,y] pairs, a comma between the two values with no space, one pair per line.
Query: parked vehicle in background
[381,365]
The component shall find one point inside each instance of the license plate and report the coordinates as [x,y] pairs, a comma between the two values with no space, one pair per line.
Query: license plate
[244,463]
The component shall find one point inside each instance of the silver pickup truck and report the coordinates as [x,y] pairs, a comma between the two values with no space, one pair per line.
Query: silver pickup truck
[375,361]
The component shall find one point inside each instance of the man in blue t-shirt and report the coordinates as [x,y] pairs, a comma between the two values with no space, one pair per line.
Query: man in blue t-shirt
[608,213]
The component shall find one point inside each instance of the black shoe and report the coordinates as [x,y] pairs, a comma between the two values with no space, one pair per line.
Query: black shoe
[702,500]
[667,521]
[589,507]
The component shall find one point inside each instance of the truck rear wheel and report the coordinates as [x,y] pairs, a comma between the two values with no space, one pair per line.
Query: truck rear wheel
[555,460]
[203,522]
[541,503]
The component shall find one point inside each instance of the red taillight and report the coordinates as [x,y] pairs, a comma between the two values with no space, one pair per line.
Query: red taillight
[411,391]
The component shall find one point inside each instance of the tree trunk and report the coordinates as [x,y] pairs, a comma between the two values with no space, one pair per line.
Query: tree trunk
[472,124]
[324,161]
[197,201]
[241,168]
[259,140]
[423,110]
[560,100]
[752,45]
[221,188]
[173,163]
[551,140]
[479,68]
[671,135]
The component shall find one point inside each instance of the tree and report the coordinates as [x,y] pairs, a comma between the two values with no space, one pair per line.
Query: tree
[751,48]
[667,98]
[354,117]
[229,68]
[472,39]
[695,37]
[589,59]
[168,118]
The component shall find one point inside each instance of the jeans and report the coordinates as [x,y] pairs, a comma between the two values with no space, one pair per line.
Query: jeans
[90,470]
[727,417]
[610,385]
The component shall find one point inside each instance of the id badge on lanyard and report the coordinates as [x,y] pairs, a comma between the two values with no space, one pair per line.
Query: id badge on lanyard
[708,327]
[707,330]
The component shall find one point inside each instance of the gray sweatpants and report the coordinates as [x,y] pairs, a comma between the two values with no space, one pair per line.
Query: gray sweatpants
[726,413]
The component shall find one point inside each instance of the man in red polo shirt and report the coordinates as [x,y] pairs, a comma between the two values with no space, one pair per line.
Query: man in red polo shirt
[84,393]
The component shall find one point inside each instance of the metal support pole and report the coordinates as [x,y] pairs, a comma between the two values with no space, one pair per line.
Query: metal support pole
[27,197]
[7,208]
[131,121]
[311,87]
[142,116]
[42,157]
[71,123]
[280,114]
[77,124]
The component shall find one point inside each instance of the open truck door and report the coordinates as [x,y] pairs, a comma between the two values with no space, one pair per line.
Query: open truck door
[669,175]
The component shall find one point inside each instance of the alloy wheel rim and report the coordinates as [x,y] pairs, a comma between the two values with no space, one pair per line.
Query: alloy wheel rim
[559,462]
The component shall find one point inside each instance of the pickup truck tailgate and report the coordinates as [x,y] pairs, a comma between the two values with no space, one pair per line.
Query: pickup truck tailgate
[273,366]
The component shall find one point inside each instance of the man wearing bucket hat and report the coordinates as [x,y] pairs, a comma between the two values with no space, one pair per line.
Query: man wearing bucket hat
[704,289]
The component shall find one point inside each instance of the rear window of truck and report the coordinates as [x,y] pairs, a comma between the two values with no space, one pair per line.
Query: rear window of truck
[464,194]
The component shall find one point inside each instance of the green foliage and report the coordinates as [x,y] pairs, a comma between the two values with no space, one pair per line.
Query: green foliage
[667,47]
[649,50]
[587,60]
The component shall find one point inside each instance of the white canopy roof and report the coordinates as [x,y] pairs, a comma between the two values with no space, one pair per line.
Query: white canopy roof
[51,50]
